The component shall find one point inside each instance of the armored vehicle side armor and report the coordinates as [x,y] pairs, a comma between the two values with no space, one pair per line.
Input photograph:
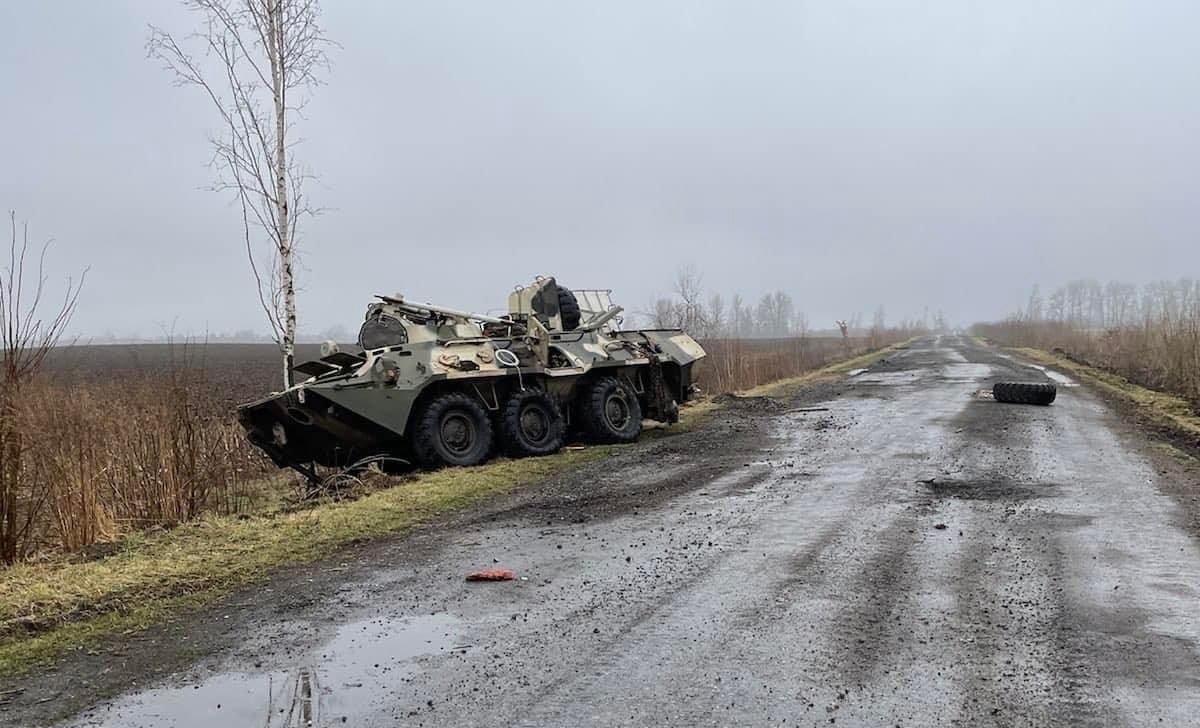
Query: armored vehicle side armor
[437,386]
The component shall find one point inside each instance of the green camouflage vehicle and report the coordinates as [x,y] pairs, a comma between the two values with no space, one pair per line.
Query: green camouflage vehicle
[436,386]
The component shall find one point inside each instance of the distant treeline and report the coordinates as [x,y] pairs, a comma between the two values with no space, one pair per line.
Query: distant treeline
[708,315]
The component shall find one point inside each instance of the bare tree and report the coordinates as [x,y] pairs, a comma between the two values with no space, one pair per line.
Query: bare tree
[689,290]
[741,318]
[257,62]
[716,315]
[844,327]
[665,314]
[774,314]
[25,340]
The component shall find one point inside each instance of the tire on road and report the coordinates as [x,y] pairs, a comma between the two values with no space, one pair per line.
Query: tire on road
[1024,392]
[610,412]
[531,424]
[453,429]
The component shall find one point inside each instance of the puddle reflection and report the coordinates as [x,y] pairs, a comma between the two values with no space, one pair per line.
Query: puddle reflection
[357,669]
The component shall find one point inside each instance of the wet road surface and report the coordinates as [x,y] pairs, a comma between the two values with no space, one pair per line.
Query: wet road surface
[915,555]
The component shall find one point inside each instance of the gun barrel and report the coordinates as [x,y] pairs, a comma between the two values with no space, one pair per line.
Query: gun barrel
[602,319]
[432,308]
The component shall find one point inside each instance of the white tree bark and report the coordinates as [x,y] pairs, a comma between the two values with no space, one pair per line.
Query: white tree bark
[287,280]
[256,54]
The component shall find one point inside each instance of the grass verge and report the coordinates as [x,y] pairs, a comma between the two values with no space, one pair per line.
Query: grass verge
[48,608]
[786,387]
[1166,413]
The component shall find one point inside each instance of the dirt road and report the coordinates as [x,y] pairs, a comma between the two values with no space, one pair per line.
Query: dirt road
[914,555]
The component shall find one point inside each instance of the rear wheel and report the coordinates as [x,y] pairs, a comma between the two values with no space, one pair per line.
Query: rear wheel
[531,424]
[453,429]
[610,412]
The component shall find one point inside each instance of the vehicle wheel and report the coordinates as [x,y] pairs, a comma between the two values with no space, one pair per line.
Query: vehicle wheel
[453,429]
[610,412]
[1024,392]
[531,424]
[568,309]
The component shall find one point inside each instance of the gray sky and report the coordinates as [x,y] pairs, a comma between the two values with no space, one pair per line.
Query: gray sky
[913,154]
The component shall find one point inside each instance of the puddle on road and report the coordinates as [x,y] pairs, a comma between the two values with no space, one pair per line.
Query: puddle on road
[872,376]
[1061,379]
[339,679]
[984,489]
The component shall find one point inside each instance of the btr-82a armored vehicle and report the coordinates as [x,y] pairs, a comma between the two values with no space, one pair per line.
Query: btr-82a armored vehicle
[447,387]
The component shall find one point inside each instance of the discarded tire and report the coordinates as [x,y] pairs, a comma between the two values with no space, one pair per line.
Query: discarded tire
[1024,392]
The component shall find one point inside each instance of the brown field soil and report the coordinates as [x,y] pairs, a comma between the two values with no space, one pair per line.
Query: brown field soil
[233,373]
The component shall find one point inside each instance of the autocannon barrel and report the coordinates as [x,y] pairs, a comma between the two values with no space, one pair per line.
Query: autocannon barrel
[421,306]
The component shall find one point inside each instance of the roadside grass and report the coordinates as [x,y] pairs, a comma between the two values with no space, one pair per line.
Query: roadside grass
[1165,412]
[48,608]
[787,387]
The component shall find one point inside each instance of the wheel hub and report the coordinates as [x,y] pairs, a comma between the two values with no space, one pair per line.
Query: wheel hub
[458,433]
[535,425]
[616,411]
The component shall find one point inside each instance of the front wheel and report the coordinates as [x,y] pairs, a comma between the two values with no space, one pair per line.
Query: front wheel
[610,411]
[453,429]
[531,424]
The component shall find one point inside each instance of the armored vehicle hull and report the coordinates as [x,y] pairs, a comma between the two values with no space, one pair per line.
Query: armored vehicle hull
[433,386]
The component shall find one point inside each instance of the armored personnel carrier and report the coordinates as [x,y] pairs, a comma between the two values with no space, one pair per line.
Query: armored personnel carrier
[436,386]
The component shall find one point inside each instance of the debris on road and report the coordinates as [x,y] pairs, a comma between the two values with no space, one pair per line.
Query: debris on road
[1024,392]
[491,575]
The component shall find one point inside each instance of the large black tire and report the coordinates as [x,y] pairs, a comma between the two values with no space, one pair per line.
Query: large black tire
[531,424]
[453,429]
[1024,392]
[568,309]
[609,411]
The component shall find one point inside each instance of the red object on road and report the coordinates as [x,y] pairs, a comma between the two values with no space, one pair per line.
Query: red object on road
[491,575]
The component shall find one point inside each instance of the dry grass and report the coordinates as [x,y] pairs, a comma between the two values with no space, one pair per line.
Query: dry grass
[1164,411]
[790,385]
[103,461]
[157,446]
[152,574]
[738,364]
[1148,336]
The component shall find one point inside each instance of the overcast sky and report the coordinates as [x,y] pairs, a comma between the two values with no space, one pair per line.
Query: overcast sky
[912,154]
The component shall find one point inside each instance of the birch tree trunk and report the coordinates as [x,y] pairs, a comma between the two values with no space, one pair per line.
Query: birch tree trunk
[287,281]
[257,59]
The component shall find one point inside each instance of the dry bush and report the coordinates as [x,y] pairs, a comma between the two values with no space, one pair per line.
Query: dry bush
[738,364]
[102,460]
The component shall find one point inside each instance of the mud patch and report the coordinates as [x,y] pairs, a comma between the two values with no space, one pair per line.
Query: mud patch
[751,403]
[984,489]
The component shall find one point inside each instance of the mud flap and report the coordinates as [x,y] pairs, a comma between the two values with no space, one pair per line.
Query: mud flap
[660,405]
